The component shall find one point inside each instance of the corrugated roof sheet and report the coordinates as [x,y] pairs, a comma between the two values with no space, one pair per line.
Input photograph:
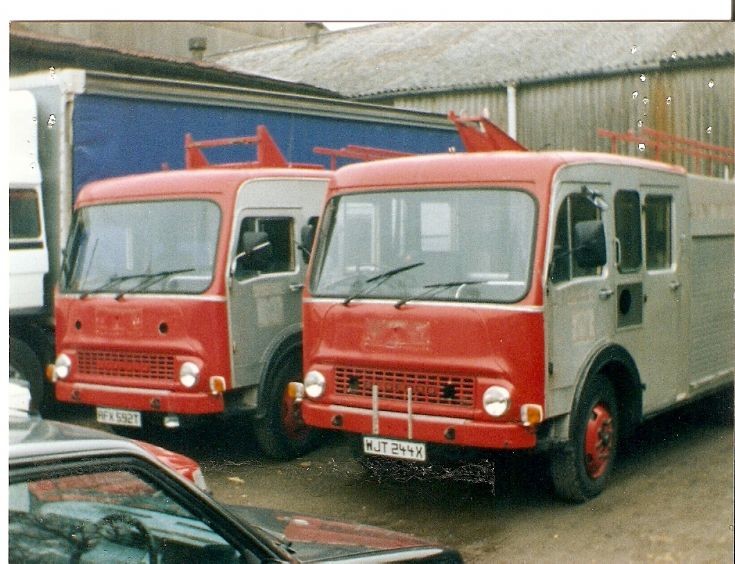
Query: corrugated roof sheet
[436,56]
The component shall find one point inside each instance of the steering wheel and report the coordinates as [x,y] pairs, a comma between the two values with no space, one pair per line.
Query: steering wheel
[121,528]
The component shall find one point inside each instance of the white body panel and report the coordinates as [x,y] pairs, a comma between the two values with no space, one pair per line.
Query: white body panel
[28,253]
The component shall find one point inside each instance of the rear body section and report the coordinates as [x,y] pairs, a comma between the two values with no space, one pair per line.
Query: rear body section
[711,328]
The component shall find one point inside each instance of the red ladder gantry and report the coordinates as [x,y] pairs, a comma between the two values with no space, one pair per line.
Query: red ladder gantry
[662,142]
[267,152]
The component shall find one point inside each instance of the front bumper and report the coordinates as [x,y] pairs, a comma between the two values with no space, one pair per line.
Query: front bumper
[140,399]
[425,428]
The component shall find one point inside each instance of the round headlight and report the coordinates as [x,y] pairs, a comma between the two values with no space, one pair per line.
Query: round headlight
[496,401]
[314,384]
[189,374]
[62,367]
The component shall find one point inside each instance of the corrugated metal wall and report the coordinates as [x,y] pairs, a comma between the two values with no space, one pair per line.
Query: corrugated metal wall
[695,102]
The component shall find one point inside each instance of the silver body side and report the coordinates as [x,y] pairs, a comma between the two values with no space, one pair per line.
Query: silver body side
[678,332]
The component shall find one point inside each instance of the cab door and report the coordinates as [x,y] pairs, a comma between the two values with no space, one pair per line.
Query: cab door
[265,288]
[580,311]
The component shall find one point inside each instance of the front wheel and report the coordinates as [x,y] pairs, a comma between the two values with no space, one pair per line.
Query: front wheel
[581,469]
[282,433]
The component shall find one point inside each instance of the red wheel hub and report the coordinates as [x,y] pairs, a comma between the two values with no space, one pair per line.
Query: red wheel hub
[293,425]
[598,441]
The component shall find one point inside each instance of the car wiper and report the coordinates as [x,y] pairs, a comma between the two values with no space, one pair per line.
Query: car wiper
[379,279]
[151,278]
[112,281]
[431,289]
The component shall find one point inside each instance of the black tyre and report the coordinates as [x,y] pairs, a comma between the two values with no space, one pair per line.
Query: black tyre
[719,406]
[581,469]
[282,433]
[25,367]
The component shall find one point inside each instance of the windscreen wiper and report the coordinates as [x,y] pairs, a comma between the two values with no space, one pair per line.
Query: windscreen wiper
[379,279]
[432,289]
[151,278]
[112,281]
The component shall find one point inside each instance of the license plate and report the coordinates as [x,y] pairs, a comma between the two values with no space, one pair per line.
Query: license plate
[121,417]
[392,448]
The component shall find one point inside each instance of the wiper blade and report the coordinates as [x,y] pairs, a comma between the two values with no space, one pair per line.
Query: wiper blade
[152,278]
[432,289]
[112,281]
[379,279]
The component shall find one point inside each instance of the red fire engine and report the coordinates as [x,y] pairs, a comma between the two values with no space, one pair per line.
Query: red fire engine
[516,300]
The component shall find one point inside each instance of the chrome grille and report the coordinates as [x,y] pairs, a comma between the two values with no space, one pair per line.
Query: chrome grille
[437,389]
[157,367]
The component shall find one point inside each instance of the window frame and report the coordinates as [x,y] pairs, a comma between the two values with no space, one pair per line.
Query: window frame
[633,233]
[572,271]
[669,231]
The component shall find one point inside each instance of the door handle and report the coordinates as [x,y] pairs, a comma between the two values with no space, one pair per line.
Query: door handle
[674,285]
[296,287]
[605,293]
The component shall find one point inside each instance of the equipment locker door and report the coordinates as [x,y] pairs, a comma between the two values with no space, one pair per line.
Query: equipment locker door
[662,352]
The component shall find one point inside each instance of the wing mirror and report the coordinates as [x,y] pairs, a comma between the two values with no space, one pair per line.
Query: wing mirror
[307,241]
[254,253]
[589,243]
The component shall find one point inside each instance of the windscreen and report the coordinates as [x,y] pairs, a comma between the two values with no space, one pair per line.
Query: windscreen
[142,247]
[452,244]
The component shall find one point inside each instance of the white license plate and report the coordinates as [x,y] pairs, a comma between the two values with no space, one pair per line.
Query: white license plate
[119,417]
[392,448]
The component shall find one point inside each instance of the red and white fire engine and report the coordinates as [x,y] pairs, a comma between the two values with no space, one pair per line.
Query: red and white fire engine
[516,300]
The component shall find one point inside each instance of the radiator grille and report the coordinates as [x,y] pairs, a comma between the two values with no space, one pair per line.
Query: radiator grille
[437,389]
[155,367]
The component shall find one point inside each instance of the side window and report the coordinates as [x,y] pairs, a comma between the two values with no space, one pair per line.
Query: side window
[279,232]
[24,218]
[575,208]
[628,231]
[658,232]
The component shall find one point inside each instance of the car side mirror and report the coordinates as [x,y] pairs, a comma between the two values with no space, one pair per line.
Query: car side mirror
[307,241]
[254,253]
[590,250]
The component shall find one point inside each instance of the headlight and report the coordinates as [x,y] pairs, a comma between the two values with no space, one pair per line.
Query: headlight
[62,367]
[314,384]
[496,400]
[189,374]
